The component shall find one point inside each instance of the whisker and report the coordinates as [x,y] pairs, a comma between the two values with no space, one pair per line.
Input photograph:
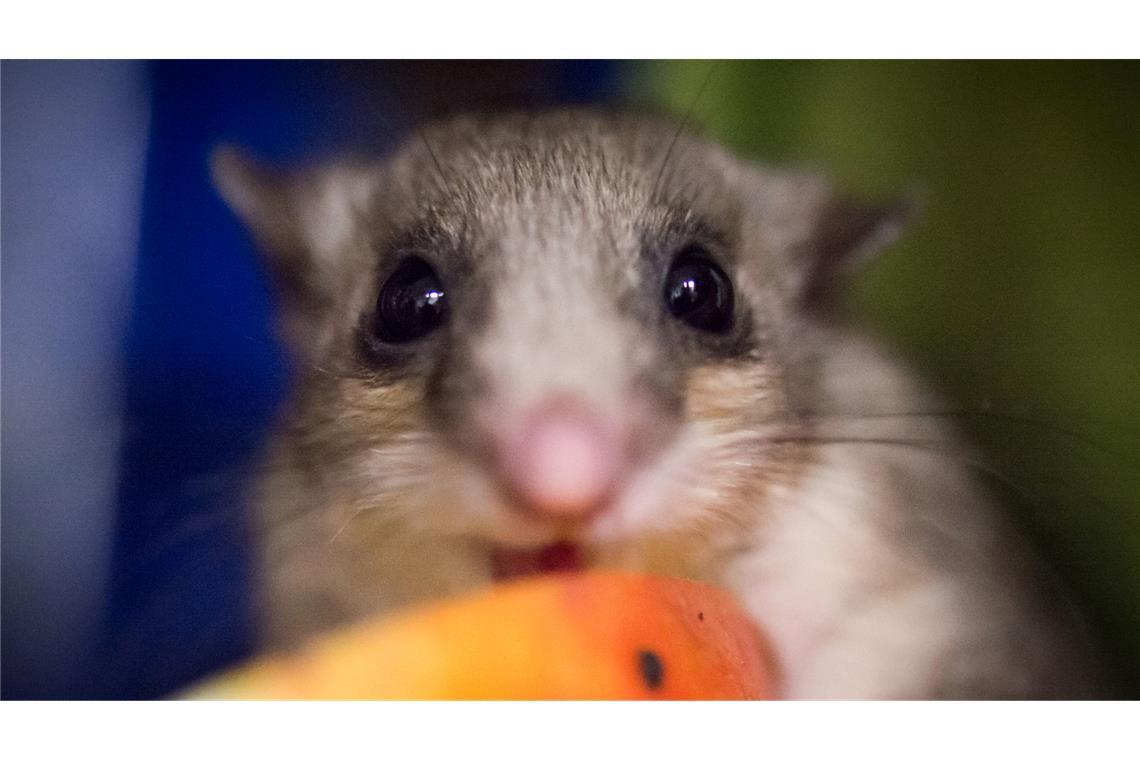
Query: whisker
[681,129]
[194,526]
[395,133]
[1072,435]
[341,529]
[434,160]
[934,448]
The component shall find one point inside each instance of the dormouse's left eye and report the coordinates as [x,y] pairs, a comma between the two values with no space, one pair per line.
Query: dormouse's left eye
[412,303]
[699,293]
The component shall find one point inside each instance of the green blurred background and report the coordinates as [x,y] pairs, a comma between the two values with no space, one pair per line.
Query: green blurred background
[1017,291]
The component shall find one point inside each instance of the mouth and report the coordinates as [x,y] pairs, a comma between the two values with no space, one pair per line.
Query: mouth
[510,563]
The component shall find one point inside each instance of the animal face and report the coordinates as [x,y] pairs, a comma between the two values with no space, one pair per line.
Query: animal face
[532,329]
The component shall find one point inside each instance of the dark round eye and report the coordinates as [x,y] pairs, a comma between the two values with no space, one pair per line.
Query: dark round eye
[699,293]
[411,303]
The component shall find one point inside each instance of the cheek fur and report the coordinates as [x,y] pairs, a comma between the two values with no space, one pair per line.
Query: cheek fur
[428,489]
[711,476]
[716,474]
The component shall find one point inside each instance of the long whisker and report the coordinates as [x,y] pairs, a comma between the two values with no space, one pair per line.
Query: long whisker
[342,528]
[927,446]
[1028,422]
[681,129]
[193,527]
[918,444]
[394,133]
[434,160]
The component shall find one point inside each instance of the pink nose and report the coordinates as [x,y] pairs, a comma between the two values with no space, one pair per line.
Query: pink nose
[563,461]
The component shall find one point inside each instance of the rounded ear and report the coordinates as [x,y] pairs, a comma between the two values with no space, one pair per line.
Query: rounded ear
[270,204]
[847,234]
[818,236]
[307,226]
[258,194]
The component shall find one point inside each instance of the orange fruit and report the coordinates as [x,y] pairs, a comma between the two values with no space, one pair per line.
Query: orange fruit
[592,635]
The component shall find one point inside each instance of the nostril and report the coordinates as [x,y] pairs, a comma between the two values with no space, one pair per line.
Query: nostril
[562,461]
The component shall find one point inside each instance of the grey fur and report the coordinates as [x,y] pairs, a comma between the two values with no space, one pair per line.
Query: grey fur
[879,569]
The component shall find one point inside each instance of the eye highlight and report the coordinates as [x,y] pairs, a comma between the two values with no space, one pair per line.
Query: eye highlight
[411,303]
[699,293]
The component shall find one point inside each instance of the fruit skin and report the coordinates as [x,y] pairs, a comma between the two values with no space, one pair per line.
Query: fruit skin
[591,635]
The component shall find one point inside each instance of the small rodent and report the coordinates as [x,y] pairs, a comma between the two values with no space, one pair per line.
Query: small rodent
[588,339]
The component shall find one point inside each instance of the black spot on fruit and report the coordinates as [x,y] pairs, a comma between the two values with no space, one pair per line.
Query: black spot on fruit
[652,669]
[700,616]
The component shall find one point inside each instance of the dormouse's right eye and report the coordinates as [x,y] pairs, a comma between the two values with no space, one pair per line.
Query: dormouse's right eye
[412,303]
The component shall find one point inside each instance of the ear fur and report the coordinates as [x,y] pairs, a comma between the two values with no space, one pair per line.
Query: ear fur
[255,192]
[847,234]
[307,227]
[265,199]
[820,236]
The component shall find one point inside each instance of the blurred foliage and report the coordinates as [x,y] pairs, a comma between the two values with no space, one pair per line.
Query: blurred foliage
[1017,291]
